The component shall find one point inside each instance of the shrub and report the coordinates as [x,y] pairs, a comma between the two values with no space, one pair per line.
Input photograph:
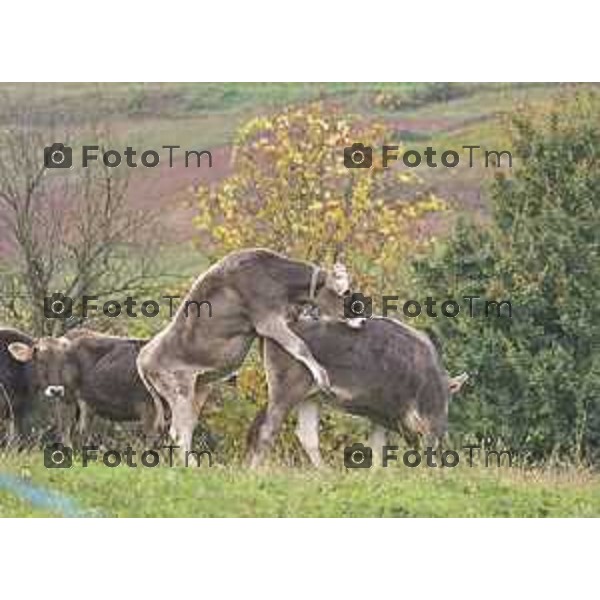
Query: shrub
[537,378]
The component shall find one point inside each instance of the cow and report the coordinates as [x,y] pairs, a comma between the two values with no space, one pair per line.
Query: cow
[383,370]
[16,398]
[94,374]
[248,294]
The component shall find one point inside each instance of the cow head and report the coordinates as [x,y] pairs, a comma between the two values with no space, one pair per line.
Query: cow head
[338,279]
[329,298]
[55,370]
[433,423]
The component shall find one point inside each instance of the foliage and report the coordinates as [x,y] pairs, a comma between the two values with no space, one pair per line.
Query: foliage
[76,232]
[428,93]
[292,193]
[537,380]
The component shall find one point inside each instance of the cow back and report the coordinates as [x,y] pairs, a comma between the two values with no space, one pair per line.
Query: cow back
[110,382]
[382,371]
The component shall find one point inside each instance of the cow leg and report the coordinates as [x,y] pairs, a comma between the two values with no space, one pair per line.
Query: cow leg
[177,387]
[11,429]
[16,426]
[252,435]
[412,439]
[13,419]
[152,435]
[84,413]
[377,440]
[201,395]
[289,384]
[268,430]
[278,330]
[64,422]
[182,428]
[430,440]
[190,419]
[307,431]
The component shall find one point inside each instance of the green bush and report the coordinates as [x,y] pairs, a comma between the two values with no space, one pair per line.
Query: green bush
[536,377]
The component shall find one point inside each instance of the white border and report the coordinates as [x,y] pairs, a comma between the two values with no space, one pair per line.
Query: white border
[320,559]
[428,40]
[300,41]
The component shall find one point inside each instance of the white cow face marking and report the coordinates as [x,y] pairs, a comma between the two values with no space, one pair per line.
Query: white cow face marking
[54,391]
[339,279]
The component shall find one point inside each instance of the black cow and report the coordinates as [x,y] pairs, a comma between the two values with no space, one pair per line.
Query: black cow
[16,382]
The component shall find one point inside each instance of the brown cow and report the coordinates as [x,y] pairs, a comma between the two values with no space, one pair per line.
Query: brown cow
[384,370]
[89,373]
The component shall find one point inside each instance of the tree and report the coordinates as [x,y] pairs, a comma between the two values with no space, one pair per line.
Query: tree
[292,193]
[538,373]
[69,230]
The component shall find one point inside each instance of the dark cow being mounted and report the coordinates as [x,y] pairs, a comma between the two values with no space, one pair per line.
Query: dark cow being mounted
[384,370]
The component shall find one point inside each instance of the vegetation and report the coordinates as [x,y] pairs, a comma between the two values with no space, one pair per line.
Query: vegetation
[235,492]
[138,99]
[291,192]
[536,374]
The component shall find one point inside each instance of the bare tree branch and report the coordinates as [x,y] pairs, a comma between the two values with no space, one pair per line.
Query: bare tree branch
[71,230]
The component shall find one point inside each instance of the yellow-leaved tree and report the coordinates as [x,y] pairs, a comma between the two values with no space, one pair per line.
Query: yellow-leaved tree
[291,192]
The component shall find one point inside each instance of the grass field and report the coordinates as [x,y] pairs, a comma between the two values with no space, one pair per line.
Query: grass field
[236,492]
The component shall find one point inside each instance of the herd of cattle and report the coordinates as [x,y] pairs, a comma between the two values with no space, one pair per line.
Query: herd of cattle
[377,368]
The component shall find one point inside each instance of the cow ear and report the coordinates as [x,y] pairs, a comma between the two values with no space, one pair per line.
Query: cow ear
[21,352]
[339,279]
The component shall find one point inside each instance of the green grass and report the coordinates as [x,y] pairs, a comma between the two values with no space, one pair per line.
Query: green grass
[13,507]
[236,492]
